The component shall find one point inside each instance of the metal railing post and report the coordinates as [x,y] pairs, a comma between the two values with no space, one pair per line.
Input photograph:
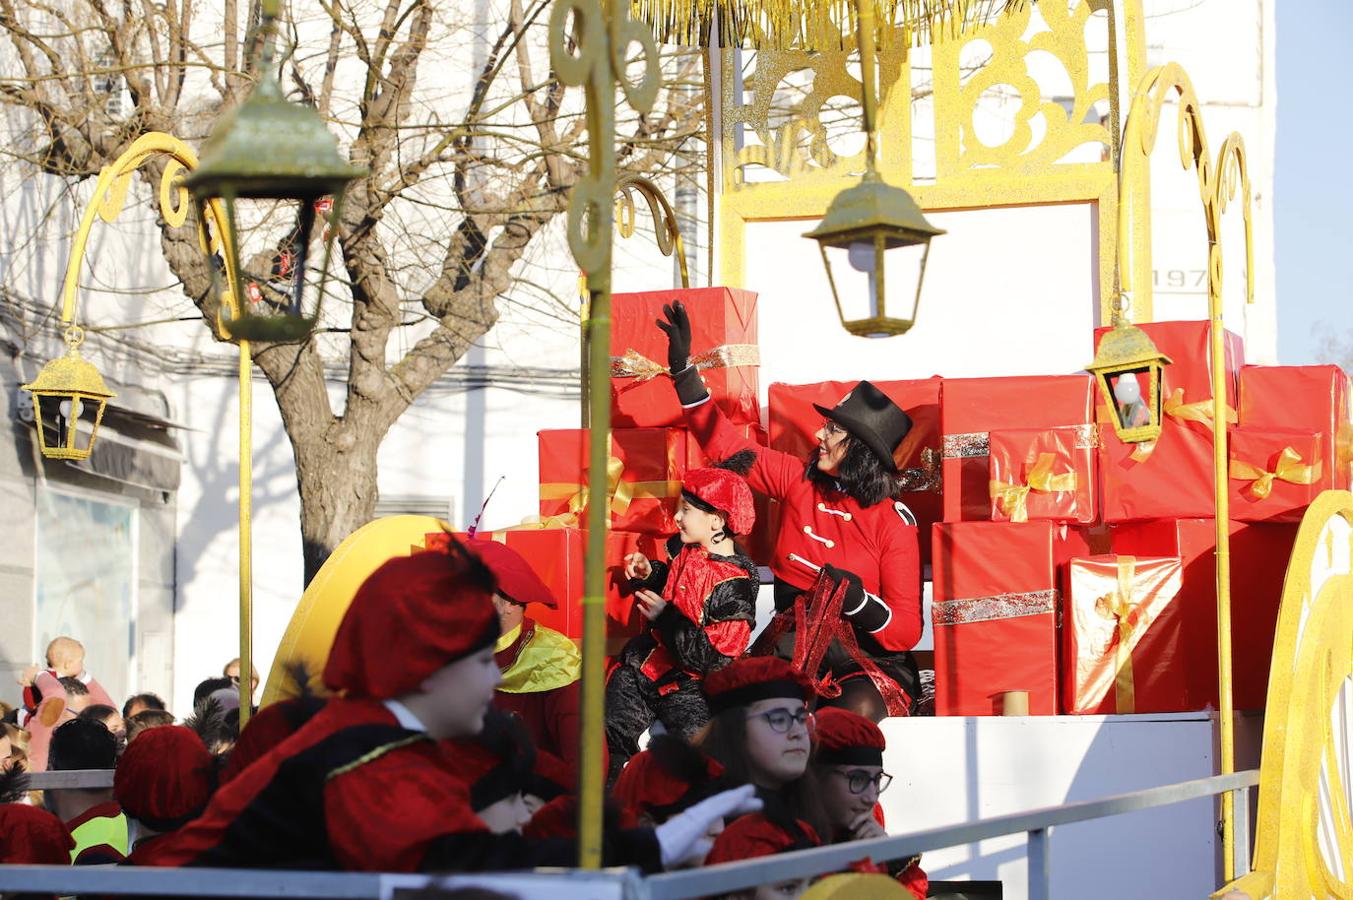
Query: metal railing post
[1040,887]
[1241,860]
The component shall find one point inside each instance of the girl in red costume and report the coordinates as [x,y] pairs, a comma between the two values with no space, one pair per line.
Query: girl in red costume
[839,522]
[701,606]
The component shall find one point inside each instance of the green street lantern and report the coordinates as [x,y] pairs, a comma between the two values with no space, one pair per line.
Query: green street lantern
[1128,368]
[875,243]
[69,397]
[268,161]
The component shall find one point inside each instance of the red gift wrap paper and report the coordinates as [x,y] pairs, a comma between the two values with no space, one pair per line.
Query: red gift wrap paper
[1172,477]
[794,422]
[644,471]
[971,408]
[1274,475]
[1259,555]
[995,614]
[557,555]
[1043,474]
[723,346]
[1124,632]
[1305,398]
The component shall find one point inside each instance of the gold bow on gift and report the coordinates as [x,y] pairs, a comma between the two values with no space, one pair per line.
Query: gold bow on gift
[633,364]
[1290,468]
[1013,499]
[1199,411]
[620,493]
[1120,607]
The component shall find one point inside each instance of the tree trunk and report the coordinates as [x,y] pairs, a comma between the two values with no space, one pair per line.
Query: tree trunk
[338,491]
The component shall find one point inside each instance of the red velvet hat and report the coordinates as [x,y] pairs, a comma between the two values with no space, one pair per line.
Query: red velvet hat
[756,835]
[412,616]
[33,837]
[752,678]
[727,492]
[164,777]
[845,738]
[517,581]
[665,779]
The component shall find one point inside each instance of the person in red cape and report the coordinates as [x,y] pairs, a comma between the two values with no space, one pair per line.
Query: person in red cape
[365,784]
[163,781]
[850,776]
[760,835]
[700,606]
[540,666]
[839,520]
[662,780]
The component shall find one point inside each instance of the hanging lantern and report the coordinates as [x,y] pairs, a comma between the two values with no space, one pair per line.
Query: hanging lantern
[1128,367]
[275,169]
[69,397]
[875,242]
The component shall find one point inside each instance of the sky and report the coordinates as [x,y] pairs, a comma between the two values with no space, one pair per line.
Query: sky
[1313,190]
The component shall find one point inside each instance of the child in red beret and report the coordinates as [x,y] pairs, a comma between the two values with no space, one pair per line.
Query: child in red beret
[163,781]
[850,777]
[701,607]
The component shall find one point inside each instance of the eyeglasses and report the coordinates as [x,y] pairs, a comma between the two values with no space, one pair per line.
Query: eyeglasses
[831,428]
[781,720]
[859,779]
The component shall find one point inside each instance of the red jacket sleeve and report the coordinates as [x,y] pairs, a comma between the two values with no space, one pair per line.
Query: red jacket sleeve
[900,585]
[773,472]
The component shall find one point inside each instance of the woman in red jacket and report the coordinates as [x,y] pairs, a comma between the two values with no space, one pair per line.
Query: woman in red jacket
[839,520]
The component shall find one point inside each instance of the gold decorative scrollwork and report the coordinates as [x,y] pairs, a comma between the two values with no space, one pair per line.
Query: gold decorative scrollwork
[666,231]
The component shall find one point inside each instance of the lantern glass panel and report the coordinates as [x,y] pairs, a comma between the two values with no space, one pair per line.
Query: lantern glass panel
[875,280]
[67,424]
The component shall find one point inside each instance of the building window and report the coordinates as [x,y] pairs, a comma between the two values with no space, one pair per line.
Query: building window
[86,582]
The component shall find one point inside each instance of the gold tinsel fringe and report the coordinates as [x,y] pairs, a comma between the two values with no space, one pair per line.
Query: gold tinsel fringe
[811,24]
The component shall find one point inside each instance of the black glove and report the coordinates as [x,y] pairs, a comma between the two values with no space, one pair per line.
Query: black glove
[677,327]
[865,611]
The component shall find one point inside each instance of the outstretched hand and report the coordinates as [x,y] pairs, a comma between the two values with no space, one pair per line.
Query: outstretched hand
[677,326]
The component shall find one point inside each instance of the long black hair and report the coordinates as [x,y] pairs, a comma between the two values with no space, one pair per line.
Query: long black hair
[861,474]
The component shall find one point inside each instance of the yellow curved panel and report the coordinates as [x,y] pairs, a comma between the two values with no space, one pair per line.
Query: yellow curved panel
[857,886]
[310,633]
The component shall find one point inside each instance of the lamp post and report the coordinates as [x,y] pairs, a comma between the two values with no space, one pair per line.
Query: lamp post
[869,224]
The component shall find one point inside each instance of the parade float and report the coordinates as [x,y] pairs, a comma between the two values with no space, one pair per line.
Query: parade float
[1138,564]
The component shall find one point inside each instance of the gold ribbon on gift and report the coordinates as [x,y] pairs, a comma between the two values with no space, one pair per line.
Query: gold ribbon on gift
[1013,499]
[1120,607]
[1289,468]
[1199,411]
[633,364]
[620,493]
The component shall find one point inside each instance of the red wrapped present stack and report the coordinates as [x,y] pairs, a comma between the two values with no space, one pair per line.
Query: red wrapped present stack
[643,473]
[1043,473]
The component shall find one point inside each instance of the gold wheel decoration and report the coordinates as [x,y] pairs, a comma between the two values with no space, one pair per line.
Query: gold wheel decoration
[1304,841]
[589,48]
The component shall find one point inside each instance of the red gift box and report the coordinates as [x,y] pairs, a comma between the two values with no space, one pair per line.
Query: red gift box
[1274,475]
[794,421]
[1043,474]
[994,616]
[556,555]
[1123,636]
[644,471]
[971,408]
[1259,555]
[1308,398]
[723,346]
[1172,477]
[1186,391]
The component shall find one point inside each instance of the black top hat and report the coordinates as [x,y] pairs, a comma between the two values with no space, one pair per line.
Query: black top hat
[868,414]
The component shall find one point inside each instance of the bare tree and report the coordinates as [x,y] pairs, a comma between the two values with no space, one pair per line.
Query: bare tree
[466,165]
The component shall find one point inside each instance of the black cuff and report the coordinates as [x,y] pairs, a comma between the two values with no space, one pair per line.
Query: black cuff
[870,615]
[690,387]
[656,580]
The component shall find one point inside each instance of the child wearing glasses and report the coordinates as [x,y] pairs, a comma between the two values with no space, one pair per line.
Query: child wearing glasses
[700,606]
[850,777]
[761,732]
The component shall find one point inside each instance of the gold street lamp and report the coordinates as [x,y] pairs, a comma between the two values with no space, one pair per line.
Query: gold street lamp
[67,392]
[278,154]
[870,225]
[1125,355]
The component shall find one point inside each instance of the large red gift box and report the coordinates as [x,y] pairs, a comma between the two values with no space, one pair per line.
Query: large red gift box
[556,555]
[1259,555]
[1043,473]
[995,614]
[1124,631]
[794,421]
[723,346]
[1172,477]
[644,471]
[971,408]
[1274,475]
[1308,398]
[1186,391]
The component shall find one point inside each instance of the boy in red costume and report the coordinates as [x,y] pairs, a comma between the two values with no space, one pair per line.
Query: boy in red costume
[701,620]
[366,784]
